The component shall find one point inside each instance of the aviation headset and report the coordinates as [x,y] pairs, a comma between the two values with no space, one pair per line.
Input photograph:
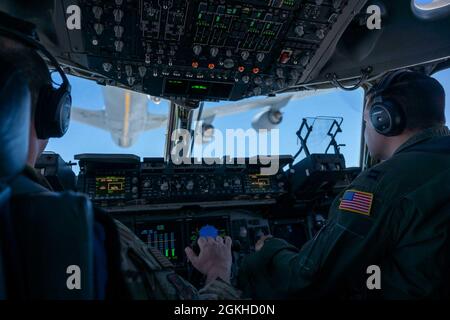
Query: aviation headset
[52,112]
[386,115]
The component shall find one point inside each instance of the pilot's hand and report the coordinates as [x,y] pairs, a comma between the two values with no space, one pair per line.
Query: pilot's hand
[260,243]
[214,259]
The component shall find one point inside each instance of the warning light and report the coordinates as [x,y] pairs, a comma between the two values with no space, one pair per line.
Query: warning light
[211,66]
[241,69]
[195,64]
[255,70]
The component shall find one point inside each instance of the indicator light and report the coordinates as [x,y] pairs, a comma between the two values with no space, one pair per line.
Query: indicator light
[195,64]
[241,69]
[199,87]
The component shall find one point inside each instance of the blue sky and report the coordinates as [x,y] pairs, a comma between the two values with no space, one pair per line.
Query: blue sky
[85,139]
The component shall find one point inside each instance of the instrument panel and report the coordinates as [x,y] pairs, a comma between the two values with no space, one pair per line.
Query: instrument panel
[170,206]
[208,49]
[171,233]
[123,182]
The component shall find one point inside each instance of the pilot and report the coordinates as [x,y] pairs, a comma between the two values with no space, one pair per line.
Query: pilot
[388,233]
[143,273]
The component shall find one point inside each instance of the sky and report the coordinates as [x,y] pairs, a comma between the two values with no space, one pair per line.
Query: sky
[82,138]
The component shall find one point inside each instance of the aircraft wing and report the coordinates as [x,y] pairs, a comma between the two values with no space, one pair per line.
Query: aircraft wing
[277,103]
[95,118]
[154,121]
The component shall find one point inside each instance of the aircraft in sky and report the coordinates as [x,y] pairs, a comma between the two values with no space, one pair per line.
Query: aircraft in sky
[126,113]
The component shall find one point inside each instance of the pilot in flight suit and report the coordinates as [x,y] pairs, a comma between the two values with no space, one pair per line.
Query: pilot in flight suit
[395,215]
[124,267]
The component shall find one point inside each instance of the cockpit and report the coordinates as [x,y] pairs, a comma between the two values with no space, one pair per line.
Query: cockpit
[207,118]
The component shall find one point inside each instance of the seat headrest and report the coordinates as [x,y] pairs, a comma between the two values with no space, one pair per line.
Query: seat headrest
[15,114]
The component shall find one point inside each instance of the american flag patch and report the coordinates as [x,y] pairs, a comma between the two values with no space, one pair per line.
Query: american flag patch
[357,202]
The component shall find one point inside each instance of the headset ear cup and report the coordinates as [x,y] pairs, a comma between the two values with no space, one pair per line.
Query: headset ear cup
[380,119]
[387,118]
[62,113]
[52,115]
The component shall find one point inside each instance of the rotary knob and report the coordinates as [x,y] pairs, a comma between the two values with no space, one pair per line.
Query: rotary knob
[268,81]
[164,186]
[98,27]
[118,15]
[97,11]
[197,49]
[118,31]
[294,74]
[228,63]
[107,66]
[260,57]
[131,81]
[299,31]
[245,55]
[118,45]
[142,71]
[257,91]
[214,51]
[281,83]
[337,4]
[128,70]
[320,33]
[305,60]
[280,72]
[190,185]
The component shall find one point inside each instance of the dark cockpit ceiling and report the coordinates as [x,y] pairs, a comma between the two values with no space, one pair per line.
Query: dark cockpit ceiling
[229,50]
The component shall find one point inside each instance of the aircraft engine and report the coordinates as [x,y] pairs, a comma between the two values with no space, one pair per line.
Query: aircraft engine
[267,119]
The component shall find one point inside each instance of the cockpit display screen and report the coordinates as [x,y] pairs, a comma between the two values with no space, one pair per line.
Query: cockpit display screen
[258,183]
[109,185]
[165,237]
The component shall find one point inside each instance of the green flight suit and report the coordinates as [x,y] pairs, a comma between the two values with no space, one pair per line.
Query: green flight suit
[400,223]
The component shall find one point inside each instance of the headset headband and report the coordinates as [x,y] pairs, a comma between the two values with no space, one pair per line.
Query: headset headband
[38,46]
[387,80]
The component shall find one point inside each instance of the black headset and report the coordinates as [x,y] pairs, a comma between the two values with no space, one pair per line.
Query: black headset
[52,112]
[386,115]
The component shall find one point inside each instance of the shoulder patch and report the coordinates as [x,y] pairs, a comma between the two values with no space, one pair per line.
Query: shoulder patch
[357,202]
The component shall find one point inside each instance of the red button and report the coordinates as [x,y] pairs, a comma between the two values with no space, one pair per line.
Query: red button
[285,57]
